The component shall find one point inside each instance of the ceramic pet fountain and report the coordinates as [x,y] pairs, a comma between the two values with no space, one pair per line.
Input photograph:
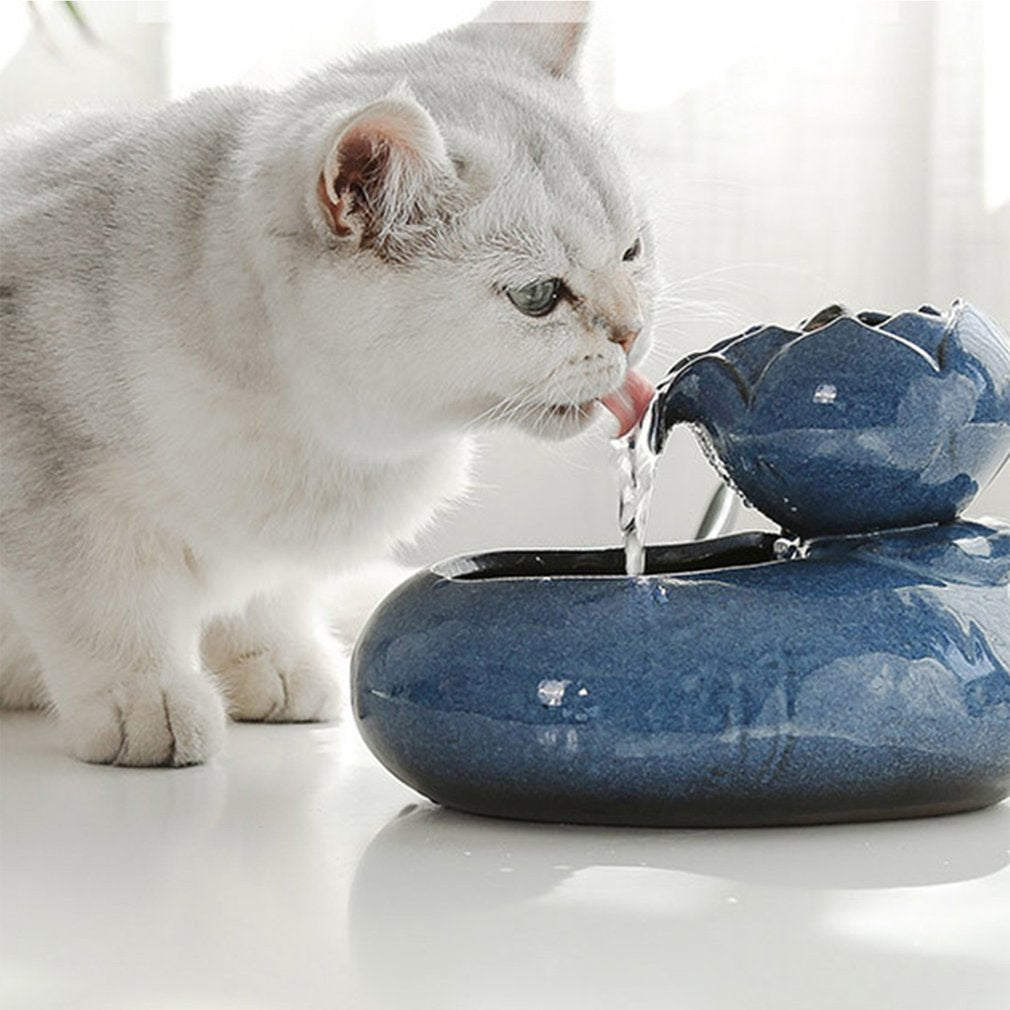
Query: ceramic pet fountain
[856,667]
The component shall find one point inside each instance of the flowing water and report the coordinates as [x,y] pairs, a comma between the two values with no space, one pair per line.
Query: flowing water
[636,463]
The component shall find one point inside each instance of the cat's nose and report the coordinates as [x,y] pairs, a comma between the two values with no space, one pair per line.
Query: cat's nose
[626,335]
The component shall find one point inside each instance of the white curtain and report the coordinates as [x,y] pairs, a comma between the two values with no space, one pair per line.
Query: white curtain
[795,154]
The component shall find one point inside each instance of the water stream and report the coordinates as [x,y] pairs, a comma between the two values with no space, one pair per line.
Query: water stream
[636,463]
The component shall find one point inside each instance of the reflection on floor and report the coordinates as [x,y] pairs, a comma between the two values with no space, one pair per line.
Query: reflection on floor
[296,873]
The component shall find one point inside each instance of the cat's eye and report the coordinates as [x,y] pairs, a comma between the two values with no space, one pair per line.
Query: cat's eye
[538,298]
[631,253]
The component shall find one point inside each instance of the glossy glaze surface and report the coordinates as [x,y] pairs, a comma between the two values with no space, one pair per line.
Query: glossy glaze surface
[864,422]
[869,679]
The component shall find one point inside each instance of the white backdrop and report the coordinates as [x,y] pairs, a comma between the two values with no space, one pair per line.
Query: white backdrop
[794,155]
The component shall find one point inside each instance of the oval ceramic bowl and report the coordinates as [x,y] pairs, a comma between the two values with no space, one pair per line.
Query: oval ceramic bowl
[866,680]
[851,422]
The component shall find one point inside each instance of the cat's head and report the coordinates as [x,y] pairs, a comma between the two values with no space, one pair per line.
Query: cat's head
[502,268]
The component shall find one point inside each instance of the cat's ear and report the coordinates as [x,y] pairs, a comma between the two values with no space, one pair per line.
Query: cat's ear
[550,33]
[384,172]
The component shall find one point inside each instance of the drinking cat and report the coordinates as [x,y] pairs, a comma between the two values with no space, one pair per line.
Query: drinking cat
[246,340]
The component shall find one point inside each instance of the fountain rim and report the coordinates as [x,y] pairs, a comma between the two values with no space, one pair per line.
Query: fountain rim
[746,550]
[721,554]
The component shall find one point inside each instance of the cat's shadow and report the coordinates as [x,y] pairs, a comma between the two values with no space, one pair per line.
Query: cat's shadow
[722,915]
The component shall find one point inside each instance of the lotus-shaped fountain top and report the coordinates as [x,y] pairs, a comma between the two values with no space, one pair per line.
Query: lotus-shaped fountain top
[851,422]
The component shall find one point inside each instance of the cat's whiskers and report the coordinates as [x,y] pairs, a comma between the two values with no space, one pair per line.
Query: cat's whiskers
[695,308]
[721,273]
[508,407]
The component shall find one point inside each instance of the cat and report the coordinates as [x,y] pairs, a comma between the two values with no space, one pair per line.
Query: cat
[247,339]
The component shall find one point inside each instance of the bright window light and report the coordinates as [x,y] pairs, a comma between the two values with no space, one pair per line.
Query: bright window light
[996,138]
[663,51]
[272,44]
[13,29]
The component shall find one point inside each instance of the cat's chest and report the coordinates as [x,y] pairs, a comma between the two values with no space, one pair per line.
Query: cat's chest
[335,512]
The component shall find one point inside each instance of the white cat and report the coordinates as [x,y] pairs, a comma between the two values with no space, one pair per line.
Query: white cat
[245,337]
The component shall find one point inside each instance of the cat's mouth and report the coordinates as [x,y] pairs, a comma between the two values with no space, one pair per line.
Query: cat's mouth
[630,401]
[558,420]
[562,420]
[627,403]
[573,411]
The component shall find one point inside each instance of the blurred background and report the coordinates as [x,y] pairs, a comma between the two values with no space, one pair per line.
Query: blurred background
[793,155]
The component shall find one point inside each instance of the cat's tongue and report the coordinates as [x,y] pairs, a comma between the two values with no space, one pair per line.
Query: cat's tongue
[629,403]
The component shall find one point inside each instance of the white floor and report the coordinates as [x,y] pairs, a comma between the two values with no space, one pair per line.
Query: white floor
[296,873]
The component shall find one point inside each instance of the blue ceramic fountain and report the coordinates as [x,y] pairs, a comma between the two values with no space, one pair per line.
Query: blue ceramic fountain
[856,668]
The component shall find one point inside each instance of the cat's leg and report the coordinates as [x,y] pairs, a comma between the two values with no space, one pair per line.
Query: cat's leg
[115,632]
[277,662]
[21,684]
[144,701]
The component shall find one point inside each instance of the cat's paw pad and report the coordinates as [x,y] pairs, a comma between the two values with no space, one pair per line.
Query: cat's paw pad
[147,723]
[277,684]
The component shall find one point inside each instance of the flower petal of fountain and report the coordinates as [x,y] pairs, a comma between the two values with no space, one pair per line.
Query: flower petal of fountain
[866,422]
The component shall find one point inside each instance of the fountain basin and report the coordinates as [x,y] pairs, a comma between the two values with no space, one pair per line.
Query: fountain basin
[869,679]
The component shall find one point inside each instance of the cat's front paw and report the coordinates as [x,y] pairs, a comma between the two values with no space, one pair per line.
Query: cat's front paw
[146,722]
[282,683]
